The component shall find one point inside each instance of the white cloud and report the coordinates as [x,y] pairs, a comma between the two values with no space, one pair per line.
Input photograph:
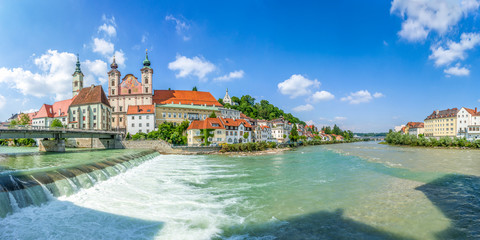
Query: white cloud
[32,110]
[3,101]
[55,78]
[195,66]
[321,96]
[378,95]
[94,69]
[303,108]
[297,85]
[144,37]
[340,118]
[424,16]
[230,76]
[103,47]
[108,29]
[119,58]
[455,51]
[310,122]
[457,71]
[180,26]
[362,96]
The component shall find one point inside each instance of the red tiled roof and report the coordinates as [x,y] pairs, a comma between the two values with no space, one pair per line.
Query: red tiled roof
[235,123]
[471,111]
[60,108]
[184,97]
[206,124]
[443,114]
[89,95]
[45,111]
[141,109]
[415,125]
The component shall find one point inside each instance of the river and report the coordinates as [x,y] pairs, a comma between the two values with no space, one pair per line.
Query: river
[342,191]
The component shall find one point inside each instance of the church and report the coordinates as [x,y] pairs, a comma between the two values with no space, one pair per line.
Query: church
[128,91]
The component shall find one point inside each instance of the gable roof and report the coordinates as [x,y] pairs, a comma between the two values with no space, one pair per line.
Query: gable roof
[206,124]
[90,95]
[471,111]
[45,111]
[141,109]
[184,97]
[235,122]
[443,114]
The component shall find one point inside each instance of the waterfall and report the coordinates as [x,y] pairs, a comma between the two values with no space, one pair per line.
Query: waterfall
[20,189]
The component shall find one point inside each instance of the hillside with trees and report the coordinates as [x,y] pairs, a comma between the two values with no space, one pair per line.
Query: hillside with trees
[262,110]
[347,134]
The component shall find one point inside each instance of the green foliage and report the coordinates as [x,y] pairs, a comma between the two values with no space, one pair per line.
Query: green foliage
[194,88]
[397,138]
[336,130]
[213,115]
[167,132]
[13,123]
[206,133]
[139,136]
[262,110]
[128,136]
[56,123]
[245,135]
[260,146]
[24,119]
[294,133]
[327,130]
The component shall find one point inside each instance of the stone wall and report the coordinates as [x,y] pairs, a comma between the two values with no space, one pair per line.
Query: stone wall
[158,145]
[198,149]
[94,143]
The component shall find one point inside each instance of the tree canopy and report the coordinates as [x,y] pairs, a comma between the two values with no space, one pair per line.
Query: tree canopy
[294,133]
[56,123]
[24,119]
[259,110]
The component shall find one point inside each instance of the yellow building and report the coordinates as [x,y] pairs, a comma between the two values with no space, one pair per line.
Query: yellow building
[441,123]
[195,134]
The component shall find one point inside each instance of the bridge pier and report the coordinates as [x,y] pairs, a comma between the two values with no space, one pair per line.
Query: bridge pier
[57,145]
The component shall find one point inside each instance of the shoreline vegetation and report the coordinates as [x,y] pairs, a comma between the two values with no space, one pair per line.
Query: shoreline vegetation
[398,139]
[20,142]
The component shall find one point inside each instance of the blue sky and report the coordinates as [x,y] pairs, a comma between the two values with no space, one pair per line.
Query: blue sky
[365,65]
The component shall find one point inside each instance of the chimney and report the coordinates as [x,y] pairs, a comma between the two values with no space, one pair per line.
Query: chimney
[437,112]
[475,109]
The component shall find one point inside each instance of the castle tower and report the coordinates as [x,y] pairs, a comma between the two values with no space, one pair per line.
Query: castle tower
[77,83]
[113,79]
[147,75]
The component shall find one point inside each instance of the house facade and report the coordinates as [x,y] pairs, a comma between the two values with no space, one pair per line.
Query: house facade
[441,123]
[195,132]
[464,120]
[235,130]
[90,110]
[140,119]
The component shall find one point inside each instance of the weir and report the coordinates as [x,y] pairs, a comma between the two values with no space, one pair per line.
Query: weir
[19,189]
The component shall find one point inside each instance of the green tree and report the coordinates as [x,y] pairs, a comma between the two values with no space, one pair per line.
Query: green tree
[213,115]
[220,100]
[24,119]
[336,130]
[194,88]
[294,133]
[206,134]
[56,124]
[13,123]
[245,135]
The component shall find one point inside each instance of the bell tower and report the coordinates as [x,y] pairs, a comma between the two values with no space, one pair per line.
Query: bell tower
[113,79]
[147,75]
[77,83]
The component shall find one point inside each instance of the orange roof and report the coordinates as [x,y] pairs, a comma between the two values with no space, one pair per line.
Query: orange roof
[414,124]
[209,123]
[263,127]
[60,108]
[235,123]
[141,109]
[89,95]
[471,111]
[45,111]
[184,97]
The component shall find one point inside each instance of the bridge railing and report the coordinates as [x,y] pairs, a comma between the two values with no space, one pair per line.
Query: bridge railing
[30,127]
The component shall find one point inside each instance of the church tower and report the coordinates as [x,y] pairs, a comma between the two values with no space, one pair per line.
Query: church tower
[77,83]
[147,74]
[227,98]
[113,79]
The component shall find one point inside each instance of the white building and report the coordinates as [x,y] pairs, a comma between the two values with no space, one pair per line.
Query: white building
[398,128]
[235,130]
[140,119]
[263,134]
[281,130]
[229,113]
[464,119]
[416,130]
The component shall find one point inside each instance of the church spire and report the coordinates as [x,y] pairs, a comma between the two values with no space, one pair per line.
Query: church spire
[146,62]
[77,69]
[114,64]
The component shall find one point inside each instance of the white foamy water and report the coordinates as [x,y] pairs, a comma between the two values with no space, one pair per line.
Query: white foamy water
[163,198]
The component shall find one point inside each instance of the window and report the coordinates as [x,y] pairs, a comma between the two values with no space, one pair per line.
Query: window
[113,83]
[139,117]
[120,119]
[94,125]
[133,117]
[148,131]
[148,124]
[140,130]
[73,111]
[146,89]
[94,110]
[169,115]
[73,119]
[129,91]
[174,115]
[133,124]
[113,109]
[63,119]
[163,114]
[113,119]
[140,125]
[94,117]
[83,126]
[120,108]
[83,118]
[83,111]
[113,91]
[148,117]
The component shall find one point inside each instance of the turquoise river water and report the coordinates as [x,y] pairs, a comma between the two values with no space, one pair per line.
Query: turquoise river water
[342,191]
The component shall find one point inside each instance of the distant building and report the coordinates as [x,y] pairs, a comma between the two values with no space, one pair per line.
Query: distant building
[195,133]
[263,133]
[235,129]
[416,128]
[441,123]
[176,106]
[77,83]
[140,119]
[398,128]
[129,91]
[90,109]
[464,119]
[227,99]
[281,130]
[47,113]
[229,113]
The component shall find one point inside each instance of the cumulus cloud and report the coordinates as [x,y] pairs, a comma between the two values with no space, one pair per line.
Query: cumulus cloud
[103,46]
[454,50]
[230,76]
[303,108]
[362,96]
[3,101]
[181,26]
[321,96]
[109,30]
[196,66]
[378,95]
[55,75]
[119,58]
[32,110]
[340,118]
[424,16]
[457,71]
[297,85]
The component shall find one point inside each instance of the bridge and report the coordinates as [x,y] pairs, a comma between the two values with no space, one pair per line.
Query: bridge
[109,139]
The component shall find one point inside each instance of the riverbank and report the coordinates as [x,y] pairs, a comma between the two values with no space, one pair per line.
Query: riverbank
[398,139]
